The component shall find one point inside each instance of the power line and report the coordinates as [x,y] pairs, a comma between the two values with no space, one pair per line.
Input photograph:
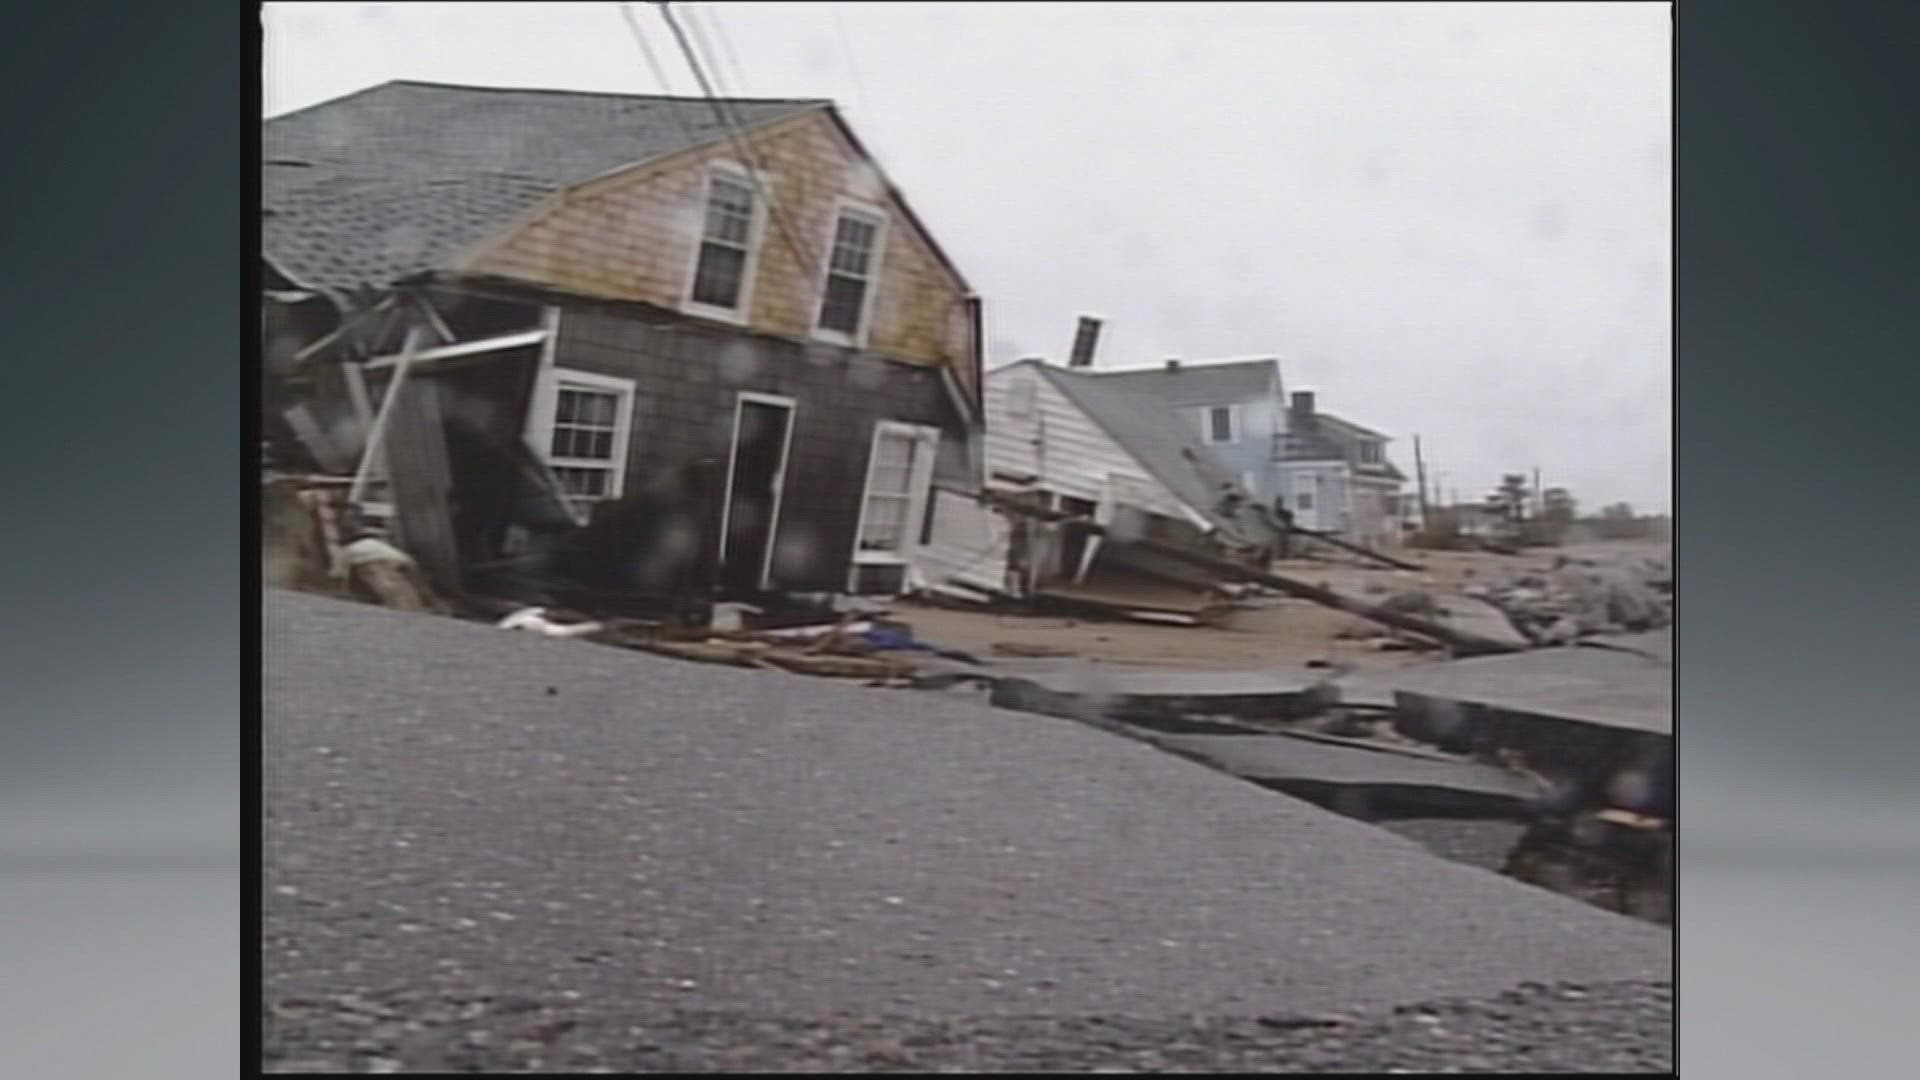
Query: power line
[794,247]
[853,64]
[705,48]
[726,50]
[703,22]
[659,73]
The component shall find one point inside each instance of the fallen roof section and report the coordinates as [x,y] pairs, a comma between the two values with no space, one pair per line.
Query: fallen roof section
[1608,687]
[1164,445]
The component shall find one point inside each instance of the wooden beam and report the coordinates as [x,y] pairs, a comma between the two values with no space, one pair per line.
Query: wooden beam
[376,436]
[422,483]
[433,318]
[463,348]
[340,331]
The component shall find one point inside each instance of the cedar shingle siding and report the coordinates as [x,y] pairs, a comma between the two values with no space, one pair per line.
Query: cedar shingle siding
[687,380]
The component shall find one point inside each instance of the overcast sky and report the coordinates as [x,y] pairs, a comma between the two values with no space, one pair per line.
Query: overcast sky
[1447,219]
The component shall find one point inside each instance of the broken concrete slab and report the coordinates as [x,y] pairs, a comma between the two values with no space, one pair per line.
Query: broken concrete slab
[1655,644]
[1361,783]
[1371,690]
[1485,844]
[1606,687]
[1167,700]
[1597,721]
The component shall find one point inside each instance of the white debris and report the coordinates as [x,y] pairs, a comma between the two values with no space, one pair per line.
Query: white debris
[535,619]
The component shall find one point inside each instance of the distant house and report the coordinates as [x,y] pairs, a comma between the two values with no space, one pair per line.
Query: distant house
[1068,440]
[1337,476]
[719,315]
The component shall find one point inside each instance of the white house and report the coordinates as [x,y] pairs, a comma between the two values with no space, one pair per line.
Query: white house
[1079,442]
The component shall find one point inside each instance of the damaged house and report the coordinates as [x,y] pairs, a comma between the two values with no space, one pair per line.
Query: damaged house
[1232,406]
[1332,474]
[1067,442]
[610,346]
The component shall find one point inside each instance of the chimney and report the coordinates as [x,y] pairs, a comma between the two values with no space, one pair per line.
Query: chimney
[1303,404]
[1173,364]
[1085,337]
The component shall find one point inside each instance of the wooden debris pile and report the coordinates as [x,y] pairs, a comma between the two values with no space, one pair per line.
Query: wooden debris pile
[313,542]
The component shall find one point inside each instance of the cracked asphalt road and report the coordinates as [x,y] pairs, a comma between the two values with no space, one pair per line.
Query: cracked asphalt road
[460,816]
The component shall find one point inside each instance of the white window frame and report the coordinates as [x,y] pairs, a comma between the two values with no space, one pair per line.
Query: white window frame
[540,421]
[1233,424]
[876,215]
[918,484]
[761,187]
[1371,452]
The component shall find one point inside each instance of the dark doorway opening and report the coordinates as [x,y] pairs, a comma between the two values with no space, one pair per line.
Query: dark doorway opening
[763,429]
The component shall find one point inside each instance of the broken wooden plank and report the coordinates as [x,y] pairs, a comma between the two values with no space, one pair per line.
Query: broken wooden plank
[339,333]
[840,667]
[422,483]
[699,651]
[372,453]
[1033,652]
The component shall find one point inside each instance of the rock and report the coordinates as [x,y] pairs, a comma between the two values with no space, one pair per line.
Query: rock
[1411,602]
[1559,632]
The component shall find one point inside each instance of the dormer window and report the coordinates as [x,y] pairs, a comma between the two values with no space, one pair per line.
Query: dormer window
[723,267]
[853,264]
[1369,453]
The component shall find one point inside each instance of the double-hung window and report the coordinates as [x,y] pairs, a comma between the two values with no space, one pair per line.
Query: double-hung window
[853,263]
[1220,424]
[728,233]
[899,472]
[586,440]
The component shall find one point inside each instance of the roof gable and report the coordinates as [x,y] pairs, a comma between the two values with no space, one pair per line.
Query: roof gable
[397,178]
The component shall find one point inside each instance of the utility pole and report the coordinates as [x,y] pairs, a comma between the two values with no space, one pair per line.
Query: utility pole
[1539,507]
[1420,471]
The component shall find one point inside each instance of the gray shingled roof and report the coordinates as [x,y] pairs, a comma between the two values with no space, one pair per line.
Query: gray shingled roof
[1199,384]
[1324,442]
[1161,443]
[1352,428]
[399,178]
